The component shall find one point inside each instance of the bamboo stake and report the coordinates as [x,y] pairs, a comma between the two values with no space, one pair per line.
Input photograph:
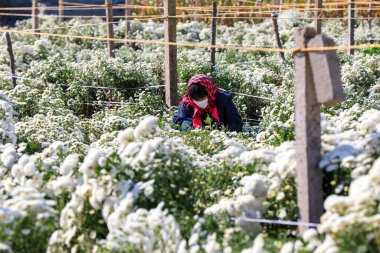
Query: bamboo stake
[171,74]
[110,34]
[35,17]
[128,13]
[317,20]
[351,25]
[61,10]
[213,35]
[12,58]
[277,33]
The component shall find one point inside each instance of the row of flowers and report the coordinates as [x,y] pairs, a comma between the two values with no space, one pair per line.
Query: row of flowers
[134,199]
[84,178]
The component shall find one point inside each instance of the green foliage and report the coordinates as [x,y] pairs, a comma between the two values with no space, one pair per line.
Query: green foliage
[28,234]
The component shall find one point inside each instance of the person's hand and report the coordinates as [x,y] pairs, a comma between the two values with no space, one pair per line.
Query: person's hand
[186,125]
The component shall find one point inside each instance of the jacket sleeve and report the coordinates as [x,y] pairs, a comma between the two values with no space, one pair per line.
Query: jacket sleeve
[184,113]
[232,117]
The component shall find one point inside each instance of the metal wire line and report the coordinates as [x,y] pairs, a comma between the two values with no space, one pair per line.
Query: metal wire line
[201,8]
[203,45]
[152,17]
[5,74]
[278,222]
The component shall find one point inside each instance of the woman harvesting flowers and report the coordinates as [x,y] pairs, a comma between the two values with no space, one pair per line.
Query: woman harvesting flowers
[203,99]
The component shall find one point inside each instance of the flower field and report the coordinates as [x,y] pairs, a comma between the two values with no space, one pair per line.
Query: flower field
[89,161]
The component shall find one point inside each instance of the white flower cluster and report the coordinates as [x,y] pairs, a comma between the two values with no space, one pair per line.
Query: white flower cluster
[7,129]
[30,170]
[309,242]
[348,217]
[29,200]
[100,199]
[102,193]
[258,246]
[248,202]
[138,151]
[20,206]
[233,149]
[351,144]
[149,231]
[133,149]
[45,129]
[7,158]
[114,199]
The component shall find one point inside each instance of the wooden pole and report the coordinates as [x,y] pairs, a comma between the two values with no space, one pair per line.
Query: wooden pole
[35,18]
[213,34]
[128,13]
[307,8]
[308,136]
[370,17]
[170,24]
[12,58]
[197,4]
[109,20]
[351,25]
[61,10]
[317,20]
[277,33]
[251,20]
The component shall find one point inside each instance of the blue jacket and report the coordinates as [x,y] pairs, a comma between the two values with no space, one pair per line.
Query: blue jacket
[228,114]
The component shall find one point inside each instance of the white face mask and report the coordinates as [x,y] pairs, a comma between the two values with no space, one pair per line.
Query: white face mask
[202,104]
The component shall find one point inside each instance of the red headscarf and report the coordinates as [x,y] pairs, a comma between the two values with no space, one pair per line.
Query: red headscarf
[212,92]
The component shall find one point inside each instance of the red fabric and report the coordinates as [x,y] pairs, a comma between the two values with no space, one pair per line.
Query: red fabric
[212,92]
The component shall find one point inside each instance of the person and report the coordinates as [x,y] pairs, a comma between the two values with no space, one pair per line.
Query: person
[204,99]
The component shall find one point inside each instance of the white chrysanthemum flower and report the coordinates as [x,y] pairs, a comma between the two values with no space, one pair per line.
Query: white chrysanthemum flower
[143,229]
[7,216]
[182,247]
[309,235]
[58,147]
[232,151]
[212,246]
[30,169]
[337,203]
[194,239]
[147,151]
[107,208]
[9,156]
[258,246]
[62,184]
[375,172]
[254,184]
[7,128]
[370,121]
[17,169]
[56,237]
[90,162]
[146,187]
[29,200]
[287,248]
[131,149]
[5,248]
[360,186]
[84,190]
[69,164]
[146,127]
[126,136]
[328,245]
